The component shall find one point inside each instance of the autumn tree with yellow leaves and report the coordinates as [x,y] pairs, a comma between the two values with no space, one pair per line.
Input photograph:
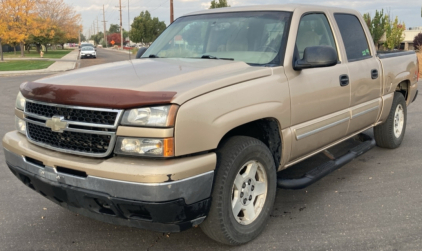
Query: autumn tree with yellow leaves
[3,29]
[41,22]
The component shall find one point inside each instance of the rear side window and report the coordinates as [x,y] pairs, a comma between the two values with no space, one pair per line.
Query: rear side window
[354,38]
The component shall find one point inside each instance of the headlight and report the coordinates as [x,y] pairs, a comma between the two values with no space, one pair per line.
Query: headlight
[20,102]
[145,147]
[20,125]
[158,116]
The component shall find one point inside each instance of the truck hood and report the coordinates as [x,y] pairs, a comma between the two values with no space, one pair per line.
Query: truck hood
[176,79]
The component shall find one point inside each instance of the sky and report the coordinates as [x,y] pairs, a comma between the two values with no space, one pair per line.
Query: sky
[408,11]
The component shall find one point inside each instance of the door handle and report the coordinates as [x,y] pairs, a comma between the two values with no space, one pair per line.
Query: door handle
[374,74]
[344,80]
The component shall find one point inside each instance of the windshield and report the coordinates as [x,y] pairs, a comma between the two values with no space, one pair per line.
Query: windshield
[257,38]
[87,48]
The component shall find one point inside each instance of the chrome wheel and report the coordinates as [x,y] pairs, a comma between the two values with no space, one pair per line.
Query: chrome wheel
[249,192]
[398,121]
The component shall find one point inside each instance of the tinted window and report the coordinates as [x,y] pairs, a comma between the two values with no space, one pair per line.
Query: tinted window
[353,36]
[314,30]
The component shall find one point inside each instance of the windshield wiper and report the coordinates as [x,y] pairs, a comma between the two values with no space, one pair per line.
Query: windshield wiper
[214,57]
[153,56]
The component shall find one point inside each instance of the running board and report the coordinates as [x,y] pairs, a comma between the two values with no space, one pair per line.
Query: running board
[323,170]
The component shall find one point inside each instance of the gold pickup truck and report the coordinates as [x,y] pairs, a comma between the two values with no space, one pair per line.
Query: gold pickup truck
[195,131]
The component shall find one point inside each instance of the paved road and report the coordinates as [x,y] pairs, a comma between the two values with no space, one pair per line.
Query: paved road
[372,203]
[104,56]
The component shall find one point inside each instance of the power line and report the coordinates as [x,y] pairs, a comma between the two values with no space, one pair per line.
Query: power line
[159,5]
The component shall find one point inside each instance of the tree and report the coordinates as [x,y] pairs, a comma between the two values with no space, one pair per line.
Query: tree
[367,18]
[114,37]
[83,38]
[394,34]
[114,28]
[41,22]
[3,28]
[417,41]
[219,4]
[97,37]
[146,29]
[376,25]
[22,23]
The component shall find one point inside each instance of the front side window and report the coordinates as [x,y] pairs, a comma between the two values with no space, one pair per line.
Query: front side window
[354,38]
[257,38]
[314,30]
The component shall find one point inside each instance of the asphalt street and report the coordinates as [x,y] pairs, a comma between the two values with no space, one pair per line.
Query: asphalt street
[372,203]
[105,56]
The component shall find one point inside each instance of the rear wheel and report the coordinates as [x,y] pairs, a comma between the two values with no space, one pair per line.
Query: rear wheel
[391,133]
[244,191]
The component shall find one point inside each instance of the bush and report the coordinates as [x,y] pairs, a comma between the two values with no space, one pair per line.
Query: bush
[417,41]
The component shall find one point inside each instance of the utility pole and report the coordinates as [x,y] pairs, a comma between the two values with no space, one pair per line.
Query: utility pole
[93,25]
[171,12]
[104,21]
[98,28]
[121,24]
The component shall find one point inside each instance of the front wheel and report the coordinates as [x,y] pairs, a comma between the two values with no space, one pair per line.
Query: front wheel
[391,133]
[244,191]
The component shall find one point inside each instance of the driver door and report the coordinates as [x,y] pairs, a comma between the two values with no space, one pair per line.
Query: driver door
[319,103]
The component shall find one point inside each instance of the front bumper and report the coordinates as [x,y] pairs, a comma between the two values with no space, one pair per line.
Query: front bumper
[170,206]
[88,55]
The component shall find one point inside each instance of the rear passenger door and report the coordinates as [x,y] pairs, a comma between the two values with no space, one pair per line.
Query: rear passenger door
[319,102]
[364,72]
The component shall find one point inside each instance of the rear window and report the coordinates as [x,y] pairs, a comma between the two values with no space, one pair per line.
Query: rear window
[354,37]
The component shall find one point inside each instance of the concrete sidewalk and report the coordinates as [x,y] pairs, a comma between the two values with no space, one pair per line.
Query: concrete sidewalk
[66,63]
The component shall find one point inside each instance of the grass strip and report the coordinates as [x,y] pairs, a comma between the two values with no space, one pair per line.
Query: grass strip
[24,65]
[34,54]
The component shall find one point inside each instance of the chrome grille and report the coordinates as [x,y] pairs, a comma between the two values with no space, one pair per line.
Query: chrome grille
[71,141]
[71,114]
[89,131]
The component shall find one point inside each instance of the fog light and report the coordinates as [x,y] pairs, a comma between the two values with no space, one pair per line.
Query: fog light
[145,147]
[20,125]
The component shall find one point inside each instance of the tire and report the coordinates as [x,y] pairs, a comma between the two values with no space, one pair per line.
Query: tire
[389,135]
[236,155]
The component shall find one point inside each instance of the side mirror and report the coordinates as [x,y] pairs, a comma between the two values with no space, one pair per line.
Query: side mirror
[317,56]
[141,52]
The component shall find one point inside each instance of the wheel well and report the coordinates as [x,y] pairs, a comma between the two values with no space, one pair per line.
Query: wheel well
[403,88]
[265,130]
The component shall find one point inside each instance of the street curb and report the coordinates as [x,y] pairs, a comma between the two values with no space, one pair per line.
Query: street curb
[43,71]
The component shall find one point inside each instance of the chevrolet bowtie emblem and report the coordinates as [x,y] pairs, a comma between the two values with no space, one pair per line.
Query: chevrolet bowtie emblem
[56,124]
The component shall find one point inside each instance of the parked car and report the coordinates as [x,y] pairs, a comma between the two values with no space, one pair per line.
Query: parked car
[194,133]
[86,45]
[88,52]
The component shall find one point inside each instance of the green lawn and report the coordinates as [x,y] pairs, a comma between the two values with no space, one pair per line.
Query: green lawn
[34,54]
[24,65]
